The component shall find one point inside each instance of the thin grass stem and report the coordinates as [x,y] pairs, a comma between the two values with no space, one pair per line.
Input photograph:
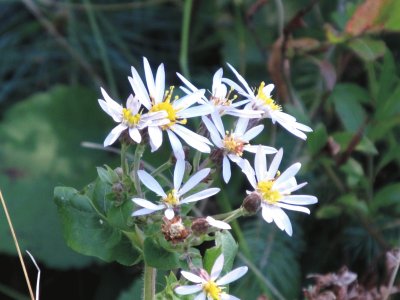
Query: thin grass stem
[21,259]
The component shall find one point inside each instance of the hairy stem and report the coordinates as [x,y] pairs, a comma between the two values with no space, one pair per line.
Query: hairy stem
[136,165]
[149,290]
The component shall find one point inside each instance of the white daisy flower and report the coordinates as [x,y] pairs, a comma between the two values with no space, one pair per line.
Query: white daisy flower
[220,101]
[209,286]
[156,99]
[232,144]
[263,101]
[275,190]
[128,118]
[175,197]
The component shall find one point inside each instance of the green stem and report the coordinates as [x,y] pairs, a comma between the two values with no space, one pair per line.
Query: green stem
[136,165]
[226,205]
[124,164]
[183,55]
[196,161]
[161,168]
[149,290]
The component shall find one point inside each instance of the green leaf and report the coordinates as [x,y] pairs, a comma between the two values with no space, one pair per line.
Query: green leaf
[354,172]
[351,204]
[225,244]
[158,257]
[387,196]
[368,49]
[347,99]
[87,232]
[317,139]
[40,148]
[328,211]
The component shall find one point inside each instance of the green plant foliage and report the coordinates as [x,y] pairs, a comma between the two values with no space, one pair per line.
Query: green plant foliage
[87,233]
[276,256]
[40,148]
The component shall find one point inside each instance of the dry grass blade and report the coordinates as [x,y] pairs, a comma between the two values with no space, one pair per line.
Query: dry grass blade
[17,246]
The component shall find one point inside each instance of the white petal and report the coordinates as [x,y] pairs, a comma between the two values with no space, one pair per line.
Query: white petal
[266,213]
[253,132]
[114,134]
[241,127]
[228,297]
[273,168]
[147,204]
[300,199]
[176,146]
[188,289]
[196,111]
[215,137]
[216,117]
[151,183]
[192,277]
[169,213]
[192,139]
[200,296]
[133,104]
[200,195]
[260,164]
[160,84]
[143,211]
[226,169]
[151,86]
[217,267]
[139,89]
[289,173]
[234,85]
[251,178]
[187,83]
[232,276]
[220,91]
[115,113]
[294,207]
[282,220]
[188,100]
[178,173]
[216,80]
[267,90]
[290,189]
[155,134]
[241,79]
[217,223]
[265,149]
[194,180]
[135,135]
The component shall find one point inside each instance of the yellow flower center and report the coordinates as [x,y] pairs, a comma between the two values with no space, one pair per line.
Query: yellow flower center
[130,119]
[171,199]
[233,145]
[167,107]
[269,195]
[268,101]
[212,290]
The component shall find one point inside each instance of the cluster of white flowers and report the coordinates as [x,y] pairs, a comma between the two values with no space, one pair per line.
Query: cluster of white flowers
[153,109]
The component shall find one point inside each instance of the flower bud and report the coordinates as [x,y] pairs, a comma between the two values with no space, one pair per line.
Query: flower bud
[252,203]
[200,226]
[119,172]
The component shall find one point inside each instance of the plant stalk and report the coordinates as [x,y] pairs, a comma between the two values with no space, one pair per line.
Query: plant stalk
[149,290]
[136,165]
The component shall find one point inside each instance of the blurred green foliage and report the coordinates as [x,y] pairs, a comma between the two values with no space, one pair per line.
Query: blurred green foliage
[335,66]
